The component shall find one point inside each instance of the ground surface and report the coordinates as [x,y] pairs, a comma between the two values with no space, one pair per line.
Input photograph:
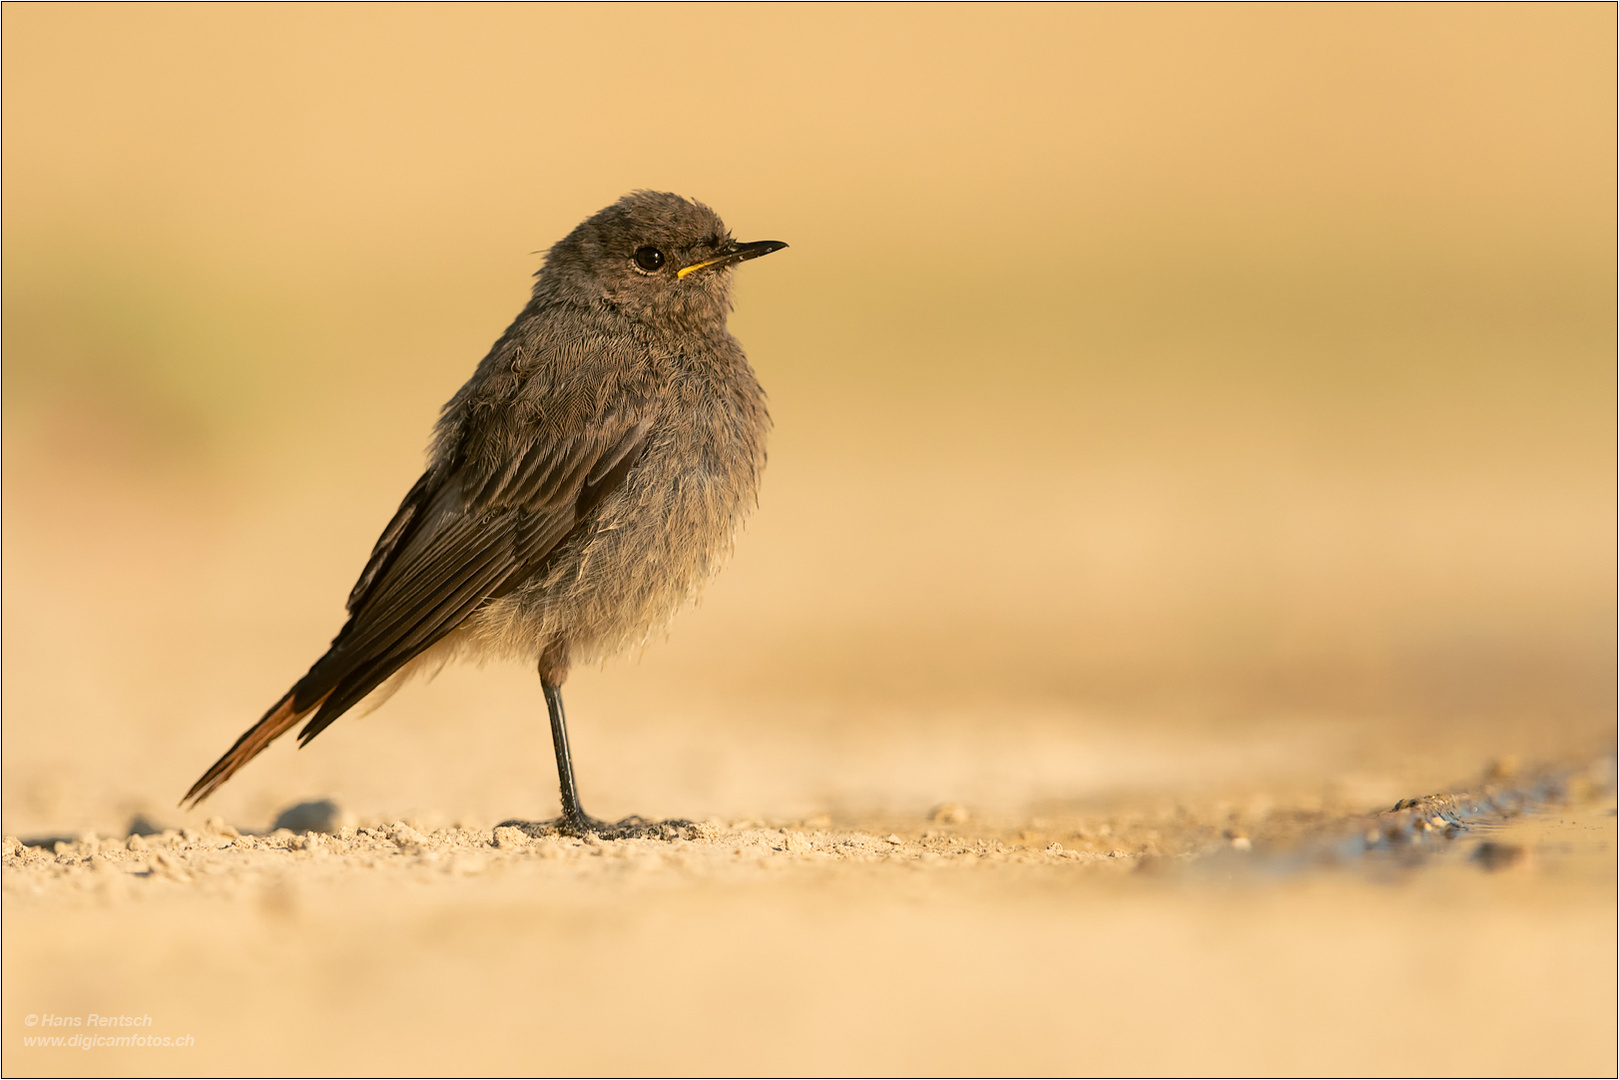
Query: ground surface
[1470,933]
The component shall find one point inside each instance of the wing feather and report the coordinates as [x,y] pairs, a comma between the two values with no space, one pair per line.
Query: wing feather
[465,533]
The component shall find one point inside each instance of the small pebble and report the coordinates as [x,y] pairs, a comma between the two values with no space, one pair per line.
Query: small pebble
[404,834]
[316,815]
[509,837]
[1494,855]
[217,825]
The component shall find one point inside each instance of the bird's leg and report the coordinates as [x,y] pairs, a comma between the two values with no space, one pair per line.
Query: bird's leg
[553,670]
[574,821]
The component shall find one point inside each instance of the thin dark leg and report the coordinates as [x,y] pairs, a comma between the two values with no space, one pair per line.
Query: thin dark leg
[574,821]
[572,812]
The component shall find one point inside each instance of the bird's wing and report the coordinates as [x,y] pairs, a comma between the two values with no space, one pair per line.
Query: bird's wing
[461,538]
[464,534]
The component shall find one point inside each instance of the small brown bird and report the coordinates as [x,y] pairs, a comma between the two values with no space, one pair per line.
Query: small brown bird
[580,488]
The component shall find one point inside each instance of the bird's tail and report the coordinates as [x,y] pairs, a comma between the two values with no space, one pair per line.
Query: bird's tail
[276,722]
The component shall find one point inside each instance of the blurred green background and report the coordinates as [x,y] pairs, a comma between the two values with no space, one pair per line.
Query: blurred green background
[1175,370]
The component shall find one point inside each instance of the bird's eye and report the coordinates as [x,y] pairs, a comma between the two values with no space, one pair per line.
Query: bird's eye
[648,258]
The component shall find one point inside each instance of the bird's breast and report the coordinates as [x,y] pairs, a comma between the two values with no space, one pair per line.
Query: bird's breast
[649,546]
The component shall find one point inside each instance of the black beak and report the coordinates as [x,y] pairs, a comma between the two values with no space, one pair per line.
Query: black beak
[738,253]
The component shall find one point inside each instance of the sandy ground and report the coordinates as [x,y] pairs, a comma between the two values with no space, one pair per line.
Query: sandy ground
[1466,933]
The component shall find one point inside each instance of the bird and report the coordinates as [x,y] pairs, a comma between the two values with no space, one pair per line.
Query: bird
[580,488]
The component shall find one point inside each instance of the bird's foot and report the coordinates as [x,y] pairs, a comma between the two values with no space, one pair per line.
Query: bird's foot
[584,827]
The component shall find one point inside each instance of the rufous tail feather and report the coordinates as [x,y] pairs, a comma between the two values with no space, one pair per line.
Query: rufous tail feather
[276,722]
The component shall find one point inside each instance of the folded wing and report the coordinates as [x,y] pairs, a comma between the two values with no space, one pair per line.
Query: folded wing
[466,533]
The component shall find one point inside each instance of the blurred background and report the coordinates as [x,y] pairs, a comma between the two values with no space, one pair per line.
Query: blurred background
[1163,395]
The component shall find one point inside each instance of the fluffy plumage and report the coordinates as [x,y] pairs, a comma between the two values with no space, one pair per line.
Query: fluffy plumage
[580,487]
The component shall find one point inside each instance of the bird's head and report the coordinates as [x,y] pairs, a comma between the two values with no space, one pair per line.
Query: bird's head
[653,256]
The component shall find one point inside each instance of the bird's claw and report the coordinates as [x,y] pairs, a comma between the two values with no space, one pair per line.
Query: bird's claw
[585,827]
